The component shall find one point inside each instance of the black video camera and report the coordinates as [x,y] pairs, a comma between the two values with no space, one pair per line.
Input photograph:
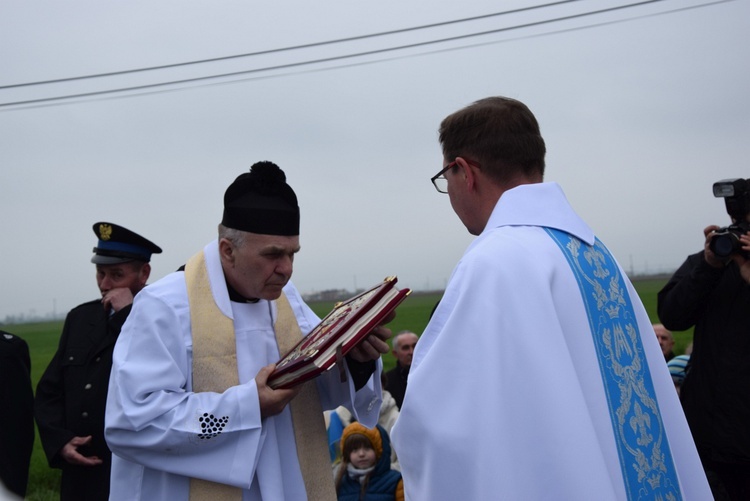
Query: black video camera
[736,194]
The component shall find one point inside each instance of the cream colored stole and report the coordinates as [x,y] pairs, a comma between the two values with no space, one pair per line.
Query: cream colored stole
[215,369]
[307,416]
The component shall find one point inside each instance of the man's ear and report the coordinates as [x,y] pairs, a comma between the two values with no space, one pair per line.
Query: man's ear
[144,273]
[226,251]
[468,172]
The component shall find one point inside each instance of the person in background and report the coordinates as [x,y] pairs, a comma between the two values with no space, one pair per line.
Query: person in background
[365,472]
[190,414]
[666,341]
[538,375]
[677,369]
[712,293]
[339,418]
[403,349]
[17,416]
[71,394]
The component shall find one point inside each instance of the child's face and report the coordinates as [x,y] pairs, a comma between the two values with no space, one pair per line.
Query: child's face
[362,458]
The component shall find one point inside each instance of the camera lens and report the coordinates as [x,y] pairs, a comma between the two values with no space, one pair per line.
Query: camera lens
[724,244]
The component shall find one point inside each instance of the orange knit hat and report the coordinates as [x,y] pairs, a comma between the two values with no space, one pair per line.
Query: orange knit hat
[372,434]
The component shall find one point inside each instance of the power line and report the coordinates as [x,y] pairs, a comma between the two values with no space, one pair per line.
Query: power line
[287,49]
[493,42]
[47,101]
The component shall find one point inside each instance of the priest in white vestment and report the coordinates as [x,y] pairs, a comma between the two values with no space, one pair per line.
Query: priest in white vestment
[171,442]
[539,375]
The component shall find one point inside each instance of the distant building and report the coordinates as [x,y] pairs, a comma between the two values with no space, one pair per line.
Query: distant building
[328,295]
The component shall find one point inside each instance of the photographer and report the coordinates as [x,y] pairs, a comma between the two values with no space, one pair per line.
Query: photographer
[711,291]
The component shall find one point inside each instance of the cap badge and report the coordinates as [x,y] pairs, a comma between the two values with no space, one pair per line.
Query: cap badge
[105,231]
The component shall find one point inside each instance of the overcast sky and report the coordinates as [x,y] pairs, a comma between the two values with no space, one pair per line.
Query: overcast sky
[640,117]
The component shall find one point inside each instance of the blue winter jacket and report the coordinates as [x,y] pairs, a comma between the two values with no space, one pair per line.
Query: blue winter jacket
[382,483]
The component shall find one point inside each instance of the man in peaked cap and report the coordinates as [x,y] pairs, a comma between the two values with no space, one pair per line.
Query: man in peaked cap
[72,393]
[189,413]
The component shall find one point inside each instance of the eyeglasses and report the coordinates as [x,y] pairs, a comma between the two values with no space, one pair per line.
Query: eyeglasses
[439,181]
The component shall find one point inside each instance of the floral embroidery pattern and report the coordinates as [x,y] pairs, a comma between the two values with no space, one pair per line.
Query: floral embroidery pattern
[645,457]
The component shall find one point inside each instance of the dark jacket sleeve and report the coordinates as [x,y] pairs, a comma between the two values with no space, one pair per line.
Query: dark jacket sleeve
[682,302]
[49,405]
[16,417]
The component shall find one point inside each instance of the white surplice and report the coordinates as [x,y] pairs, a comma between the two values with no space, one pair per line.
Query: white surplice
[152,419]
[505,397]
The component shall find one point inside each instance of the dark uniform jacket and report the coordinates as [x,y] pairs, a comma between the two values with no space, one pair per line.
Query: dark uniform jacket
[16,413]
[71,397]
[716,391]
[396,383]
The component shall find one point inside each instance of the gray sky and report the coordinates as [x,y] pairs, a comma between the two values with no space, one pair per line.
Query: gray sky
[640,118]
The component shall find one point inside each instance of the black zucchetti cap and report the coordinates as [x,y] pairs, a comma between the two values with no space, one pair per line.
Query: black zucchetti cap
[260,201]
[120,245]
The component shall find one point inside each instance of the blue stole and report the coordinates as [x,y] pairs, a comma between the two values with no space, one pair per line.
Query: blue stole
[644,453]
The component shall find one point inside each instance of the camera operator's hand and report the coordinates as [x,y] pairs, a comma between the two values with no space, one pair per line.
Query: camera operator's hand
[709,255]
[742,262]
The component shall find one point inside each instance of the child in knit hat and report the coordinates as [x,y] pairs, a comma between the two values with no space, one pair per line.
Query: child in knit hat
[365,472]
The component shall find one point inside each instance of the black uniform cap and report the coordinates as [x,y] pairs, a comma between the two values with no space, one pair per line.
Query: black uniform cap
[260,201]
[120,245]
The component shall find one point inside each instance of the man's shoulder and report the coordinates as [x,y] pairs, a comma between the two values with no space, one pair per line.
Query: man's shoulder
[86,308]
[396,368]
[505,250]
[392,371]
[85,314]
[10,343]
[168,282]
[170,290]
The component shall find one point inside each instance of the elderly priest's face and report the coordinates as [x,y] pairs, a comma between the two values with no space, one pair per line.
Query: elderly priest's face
[259,266]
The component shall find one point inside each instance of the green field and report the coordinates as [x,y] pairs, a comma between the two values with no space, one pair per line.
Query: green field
[412,315]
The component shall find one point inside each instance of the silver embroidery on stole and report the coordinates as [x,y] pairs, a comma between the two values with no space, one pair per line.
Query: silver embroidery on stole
[645,456]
